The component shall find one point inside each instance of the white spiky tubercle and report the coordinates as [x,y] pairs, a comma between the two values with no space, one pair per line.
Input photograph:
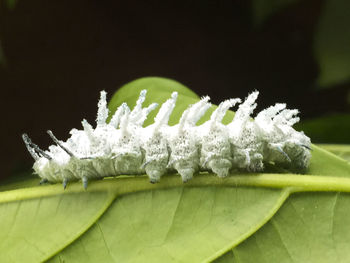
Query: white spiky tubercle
[123,146]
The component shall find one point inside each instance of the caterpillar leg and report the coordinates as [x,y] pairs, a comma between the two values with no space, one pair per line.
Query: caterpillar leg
[185,161]
[64,183]
[85,182]
[155,169]
[299,155]
[154,176]
[221,167]
[256,162]
[277,155]
[154,172]
[186,170]
[186,174]
[279,148]
[43,181]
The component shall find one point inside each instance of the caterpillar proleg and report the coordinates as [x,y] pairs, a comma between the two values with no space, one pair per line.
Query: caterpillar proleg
[124,147]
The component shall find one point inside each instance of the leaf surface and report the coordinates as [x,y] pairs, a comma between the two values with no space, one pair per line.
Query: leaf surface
[340,150]
[35,229]
[175,225]
[309,227]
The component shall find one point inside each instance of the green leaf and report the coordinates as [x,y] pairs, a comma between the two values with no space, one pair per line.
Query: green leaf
[33,230]
[23,180]
[342,151]
[128,219]
[181,224]
[327,129]
[310,227]
[11,4]
[332,43]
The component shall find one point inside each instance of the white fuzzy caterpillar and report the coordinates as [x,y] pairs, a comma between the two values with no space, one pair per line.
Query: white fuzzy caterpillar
[123,146]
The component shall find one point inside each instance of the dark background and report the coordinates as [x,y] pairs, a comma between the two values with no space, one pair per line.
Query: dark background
[60,54]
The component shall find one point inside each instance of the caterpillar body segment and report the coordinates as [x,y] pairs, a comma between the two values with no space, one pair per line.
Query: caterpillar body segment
[124,147]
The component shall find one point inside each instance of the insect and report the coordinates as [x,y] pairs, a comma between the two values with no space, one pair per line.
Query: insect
[123,146]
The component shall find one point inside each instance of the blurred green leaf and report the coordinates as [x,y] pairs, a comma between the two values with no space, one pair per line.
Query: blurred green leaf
[332,43]
[328,129]
[21,180]
[11,4]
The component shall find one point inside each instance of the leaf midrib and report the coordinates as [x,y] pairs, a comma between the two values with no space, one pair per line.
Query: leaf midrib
[127,185]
